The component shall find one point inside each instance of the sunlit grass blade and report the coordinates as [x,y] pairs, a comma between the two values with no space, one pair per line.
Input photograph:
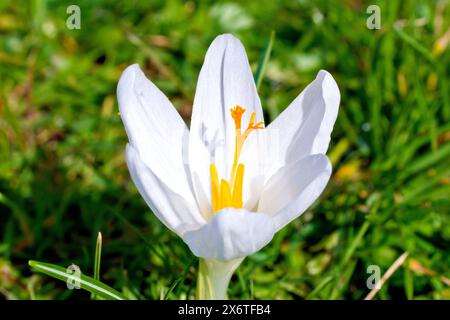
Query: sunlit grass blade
[85,282]
[263,60]
[98,254]
[355,243]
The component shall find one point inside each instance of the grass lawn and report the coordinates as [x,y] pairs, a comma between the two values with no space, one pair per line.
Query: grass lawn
[63,176]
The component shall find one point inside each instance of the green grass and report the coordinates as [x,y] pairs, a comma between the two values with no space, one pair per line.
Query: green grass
[63,176]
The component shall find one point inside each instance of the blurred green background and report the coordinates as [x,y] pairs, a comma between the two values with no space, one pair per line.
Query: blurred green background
[63,176]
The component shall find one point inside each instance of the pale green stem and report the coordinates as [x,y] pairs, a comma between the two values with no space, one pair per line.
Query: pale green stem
[214,277]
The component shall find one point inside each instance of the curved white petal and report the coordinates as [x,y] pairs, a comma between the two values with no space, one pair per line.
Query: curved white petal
[294,188]
[305,126]
[231,234]
[225,80]
[176,212]
[254,156]
[155,129]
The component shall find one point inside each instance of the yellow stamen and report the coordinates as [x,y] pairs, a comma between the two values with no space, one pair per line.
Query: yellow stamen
[236,198]
[214,187]
[225,194]
[222,195]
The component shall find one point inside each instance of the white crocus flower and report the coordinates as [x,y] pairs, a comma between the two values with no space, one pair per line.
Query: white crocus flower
[228,184]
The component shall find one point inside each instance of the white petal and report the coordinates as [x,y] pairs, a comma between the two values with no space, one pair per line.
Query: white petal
[176,212]
[294,188]
[305,126]
[231,234]
[254,157]
[224,81]
[155,129]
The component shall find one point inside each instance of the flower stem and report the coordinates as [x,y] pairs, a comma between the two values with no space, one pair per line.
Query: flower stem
[214,277]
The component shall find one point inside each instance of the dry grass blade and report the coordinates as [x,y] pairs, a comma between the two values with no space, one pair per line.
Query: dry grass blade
[400,260]
[417,267]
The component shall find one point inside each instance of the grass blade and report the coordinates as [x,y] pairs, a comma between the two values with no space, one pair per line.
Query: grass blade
[397,263]
[320,287]
[263,60]
[98,254]
[180,280]
[415,45]
[150,245]
[85,282]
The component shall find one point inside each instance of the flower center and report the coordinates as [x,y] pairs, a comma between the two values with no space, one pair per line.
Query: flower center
[228,193]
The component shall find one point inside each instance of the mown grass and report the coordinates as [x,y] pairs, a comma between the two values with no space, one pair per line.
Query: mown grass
[63,176]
